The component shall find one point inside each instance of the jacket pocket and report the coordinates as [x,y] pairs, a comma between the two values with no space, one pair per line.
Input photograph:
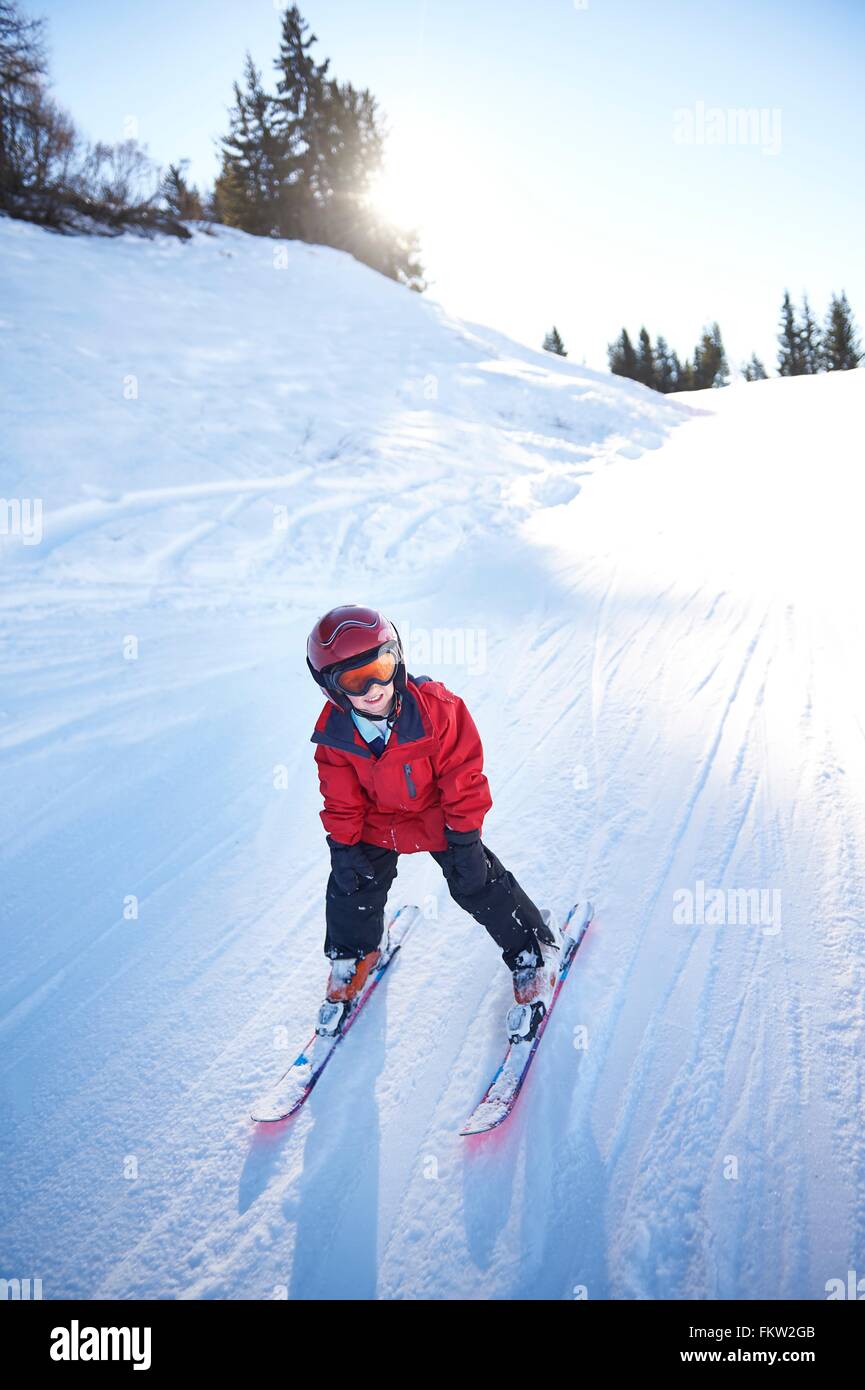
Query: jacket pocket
[412,789]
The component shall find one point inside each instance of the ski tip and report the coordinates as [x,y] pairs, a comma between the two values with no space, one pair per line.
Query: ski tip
[266,1119]
[494,1110]
[260,1115]
[580,915]
[470,1130]
[408,910]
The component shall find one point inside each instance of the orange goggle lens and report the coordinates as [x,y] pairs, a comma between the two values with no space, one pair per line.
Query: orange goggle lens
[380,671]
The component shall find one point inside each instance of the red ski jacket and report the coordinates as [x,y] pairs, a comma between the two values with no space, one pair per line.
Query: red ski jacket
[429,775]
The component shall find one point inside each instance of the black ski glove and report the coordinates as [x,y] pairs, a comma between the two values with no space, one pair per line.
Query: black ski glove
[468,864]
[351,868]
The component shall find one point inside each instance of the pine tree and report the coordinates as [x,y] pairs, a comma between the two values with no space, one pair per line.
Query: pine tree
[790,356]
[646,360]
[841,349]
[249,187]
[304,108]
[685,374]
[553,343]
[230,202]
[180,200]
[352,147]
[666,367]
[710,361]
[622,357]
[809,341]
[754,370]
[722,366]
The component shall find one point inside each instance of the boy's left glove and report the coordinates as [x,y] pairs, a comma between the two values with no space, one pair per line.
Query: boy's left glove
[467,858]
[351,868]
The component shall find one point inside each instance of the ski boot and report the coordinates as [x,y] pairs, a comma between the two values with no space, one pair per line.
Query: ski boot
[347,978]
[534,983]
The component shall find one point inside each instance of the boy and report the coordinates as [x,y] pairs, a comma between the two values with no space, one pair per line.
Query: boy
[400,766]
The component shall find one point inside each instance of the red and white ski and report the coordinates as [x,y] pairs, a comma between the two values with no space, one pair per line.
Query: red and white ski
[292,1089]
[501,1095]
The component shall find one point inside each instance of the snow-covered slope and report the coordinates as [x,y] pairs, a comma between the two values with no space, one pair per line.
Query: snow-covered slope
[651,607]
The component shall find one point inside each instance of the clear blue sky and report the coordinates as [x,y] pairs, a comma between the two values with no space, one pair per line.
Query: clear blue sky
[536,143]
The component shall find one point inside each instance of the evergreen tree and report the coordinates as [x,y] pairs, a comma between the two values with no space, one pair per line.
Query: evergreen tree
[181,200]
[553,343]
[230,202]
[710,361]
[754,370]
[249,187]
[841,350]
[352,146]
[347,217]
[355,141]
[685,375]
[646,360]
[790,355]
[666,367]
[722,366]
[681,374]
[305,111]
[809,341]
[622,357]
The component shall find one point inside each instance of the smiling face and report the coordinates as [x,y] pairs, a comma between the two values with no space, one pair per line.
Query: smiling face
[377,700]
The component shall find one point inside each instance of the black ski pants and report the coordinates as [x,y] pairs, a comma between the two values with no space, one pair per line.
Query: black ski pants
[355,921]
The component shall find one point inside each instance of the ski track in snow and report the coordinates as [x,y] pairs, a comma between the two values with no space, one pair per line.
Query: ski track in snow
[668,594]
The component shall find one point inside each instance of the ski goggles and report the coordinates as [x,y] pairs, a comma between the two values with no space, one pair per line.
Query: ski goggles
[370,668]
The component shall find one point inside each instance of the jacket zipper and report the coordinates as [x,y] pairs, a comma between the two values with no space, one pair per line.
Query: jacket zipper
[412,789]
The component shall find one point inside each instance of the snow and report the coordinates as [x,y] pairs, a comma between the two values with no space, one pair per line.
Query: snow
[653,610]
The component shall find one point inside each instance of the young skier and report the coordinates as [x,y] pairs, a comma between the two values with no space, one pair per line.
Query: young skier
[400,766]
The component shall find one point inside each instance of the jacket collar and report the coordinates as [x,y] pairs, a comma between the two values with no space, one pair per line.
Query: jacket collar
[335,728]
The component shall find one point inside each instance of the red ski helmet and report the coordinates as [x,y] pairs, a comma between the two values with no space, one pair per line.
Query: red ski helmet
[346,637]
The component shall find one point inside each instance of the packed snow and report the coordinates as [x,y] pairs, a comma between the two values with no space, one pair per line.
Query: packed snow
[652,607]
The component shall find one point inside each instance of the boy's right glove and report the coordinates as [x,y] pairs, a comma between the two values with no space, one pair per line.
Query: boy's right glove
[351,868]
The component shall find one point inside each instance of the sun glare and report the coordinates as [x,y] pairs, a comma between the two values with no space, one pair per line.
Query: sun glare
[398,195]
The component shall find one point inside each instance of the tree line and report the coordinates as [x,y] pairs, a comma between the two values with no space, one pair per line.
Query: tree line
[803,349]
[296,162]
[655,365]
